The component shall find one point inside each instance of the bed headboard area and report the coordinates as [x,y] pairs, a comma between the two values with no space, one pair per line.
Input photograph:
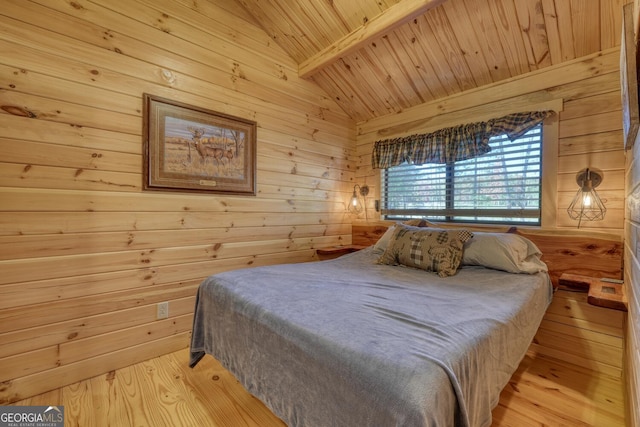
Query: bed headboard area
[564,251]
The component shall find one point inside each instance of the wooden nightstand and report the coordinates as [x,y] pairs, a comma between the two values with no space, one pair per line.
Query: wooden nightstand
[336,251]
[600,291]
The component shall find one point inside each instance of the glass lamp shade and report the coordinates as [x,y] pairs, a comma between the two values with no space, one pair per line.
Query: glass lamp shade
[586,204]
[355,206]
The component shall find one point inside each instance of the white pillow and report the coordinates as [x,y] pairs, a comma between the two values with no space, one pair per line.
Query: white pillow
[503,251]
[383,242]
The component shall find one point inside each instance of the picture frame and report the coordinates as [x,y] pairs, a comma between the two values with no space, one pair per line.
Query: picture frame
[629,78]
[193,149]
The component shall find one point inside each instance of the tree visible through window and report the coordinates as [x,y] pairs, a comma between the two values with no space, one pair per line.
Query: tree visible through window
[502,186]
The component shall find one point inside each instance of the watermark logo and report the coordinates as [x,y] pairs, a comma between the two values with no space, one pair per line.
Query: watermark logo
[31,416]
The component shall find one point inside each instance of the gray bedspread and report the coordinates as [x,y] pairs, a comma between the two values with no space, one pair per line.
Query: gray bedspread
[347,342]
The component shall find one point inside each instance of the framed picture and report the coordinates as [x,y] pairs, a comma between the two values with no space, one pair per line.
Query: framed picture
[629,78]
[188,148]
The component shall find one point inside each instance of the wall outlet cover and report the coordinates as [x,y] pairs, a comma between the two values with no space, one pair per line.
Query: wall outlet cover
[162,310]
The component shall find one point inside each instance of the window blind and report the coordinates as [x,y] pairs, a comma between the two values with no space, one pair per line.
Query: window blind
[502,186]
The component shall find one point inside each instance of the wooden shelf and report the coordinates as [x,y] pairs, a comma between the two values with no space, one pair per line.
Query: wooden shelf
[600,293]
[605,294]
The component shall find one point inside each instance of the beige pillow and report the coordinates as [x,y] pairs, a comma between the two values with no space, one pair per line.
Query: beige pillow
[503,251]
[430,249]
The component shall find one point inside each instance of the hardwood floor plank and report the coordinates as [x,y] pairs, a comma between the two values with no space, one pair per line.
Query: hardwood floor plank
[131,401]
[602,390]
[179,377]
[164,391]
[517,408]
[173,392]
[79,404]
[228,402]
[506,417]
[556,394]
[104,396]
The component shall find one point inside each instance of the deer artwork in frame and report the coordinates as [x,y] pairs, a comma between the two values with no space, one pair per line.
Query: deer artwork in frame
[187,148]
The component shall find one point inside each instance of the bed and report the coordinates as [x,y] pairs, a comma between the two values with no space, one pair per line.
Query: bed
[355,341]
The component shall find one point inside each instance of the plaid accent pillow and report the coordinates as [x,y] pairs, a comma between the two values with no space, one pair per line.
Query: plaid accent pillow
[430,249]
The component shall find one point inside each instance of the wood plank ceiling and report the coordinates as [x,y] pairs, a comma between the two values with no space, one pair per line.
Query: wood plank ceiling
[377,57]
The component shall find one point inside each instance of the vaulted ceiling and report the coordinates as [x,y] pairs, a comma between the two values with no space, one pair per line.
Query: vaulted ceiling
[377,57]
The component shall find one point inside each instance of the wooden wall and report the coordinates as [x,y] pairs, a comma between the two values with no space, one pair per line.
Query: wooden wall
[85,254]
[588,132]
[632,269]
[632,282]
[586,92]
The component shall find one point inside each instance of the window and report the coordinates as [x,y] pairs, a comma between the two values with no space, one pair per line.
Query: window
[502,186]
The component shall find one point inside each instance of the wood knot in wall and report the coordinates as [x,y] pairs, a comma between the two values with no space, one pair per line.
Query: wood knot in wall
[19,111]
[168,76]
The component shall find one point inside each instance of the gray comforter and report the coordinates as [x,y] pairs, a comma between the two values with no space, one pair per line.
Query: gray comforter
[351,343]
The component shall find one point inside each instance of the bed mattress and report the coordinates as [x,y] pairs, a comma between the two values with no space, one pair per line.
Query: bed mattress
[348,342]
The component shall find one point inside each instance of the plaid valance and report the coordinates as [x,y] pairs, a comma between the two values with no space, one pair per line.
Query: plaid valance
[452,144]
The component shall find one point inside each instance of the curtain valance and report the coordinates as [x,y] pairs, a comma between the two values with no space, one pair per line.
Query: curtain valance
[452,144]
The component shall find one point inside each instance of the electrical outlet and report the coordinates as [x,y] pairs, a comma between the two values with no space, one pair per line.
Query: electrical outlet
[162,310]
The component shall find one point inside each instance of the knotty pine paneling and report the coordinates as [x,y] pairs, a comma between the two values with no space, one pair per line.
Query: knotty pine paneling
[32,339]
[585,335]
[568,80]
[86,254]
[586,94]
[453,47]
[632,282]
[68,374]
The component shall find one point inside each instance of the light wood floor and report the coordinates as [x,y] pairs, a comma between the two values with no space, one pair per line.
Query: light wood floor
[165,392]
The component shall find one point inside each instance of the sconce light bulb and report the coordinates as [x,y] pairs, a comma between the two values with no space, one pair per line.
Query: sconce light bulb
[586,201]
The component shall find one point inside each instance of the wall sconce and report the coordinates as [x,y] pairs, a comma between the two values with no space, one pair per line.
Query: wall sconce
[587,204]
[355,207]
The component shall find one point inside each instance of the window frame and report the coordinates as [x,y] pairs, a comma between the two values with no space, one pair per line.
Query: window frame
[549,180]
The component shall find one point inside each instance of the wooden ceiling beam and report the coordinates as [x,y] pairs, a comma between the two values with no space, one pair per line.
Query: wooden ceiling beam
[393,17]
